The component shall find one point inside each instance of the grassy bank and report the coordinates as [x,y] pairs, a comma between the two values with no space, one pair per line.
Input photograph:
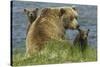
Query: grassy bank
[54,52]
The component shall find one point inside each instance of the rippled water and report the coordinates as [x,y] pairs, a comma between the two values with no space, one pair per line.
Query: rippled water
[87,19]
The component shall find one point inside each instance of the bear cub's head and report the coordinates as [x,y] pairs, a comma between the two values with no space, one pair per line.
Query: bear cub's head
[83,34]
[81,39]
[31,14]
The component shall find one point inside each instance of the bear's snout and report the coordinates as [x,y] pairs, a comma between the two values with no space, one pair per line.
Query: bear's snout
[30,14]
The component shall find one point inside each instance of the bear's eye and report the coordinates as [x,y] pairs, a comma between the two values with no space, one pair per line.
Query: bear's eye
[65,20]
[71,18]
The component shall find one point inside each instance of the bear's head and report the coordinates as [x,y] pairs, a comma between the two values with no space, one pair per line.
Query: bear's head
[83,34]
[69,17]
[31,14]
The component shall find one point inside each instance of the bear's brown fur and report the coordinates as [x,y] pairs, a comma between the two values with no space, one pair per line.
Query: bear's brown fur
[32,15]
[81,39]
[51,24]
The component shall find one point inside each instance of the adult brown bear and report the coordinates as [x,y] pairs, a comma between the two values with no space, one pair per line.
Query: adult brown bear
[51,24]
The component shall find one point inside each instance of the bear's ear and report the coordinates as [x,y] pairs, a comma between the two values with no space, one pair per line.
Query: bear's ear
[62,11]
[74,8]
[45,11]
[36,9]
[79,29]
[88,30]
[25,10]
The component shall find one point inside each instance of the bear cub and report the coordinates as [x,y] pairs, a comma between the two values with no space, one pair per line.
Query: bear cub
[81,39]
[32,15]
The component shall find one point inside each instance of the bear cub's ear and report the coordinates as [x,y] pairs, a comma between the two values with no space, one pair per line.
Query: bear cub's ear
[74,8]
[79,29]
[26,11]
[36,9]
[62,11]
[88,30]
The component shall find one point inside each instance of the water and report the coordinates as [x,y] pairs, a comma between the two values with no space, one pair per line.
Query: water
[87,19]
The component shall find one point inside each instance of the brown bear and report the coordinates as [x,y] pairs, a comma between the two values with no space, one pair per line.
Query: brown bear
[81,39]
[51,24]
[32,15]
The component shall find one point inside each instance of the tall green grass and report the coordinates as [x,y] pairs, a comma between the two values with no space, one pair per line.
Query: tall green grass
[54,52]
